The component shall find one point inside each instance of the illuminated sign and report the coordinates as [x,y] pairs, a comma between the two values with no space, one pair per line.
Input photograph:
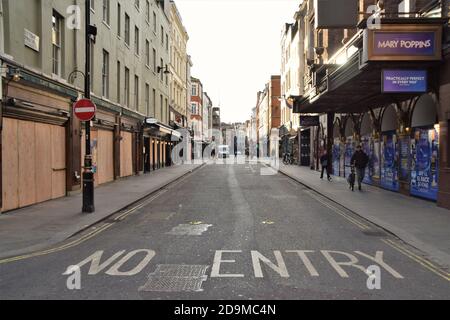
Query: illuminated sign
[404,81]
[403,43]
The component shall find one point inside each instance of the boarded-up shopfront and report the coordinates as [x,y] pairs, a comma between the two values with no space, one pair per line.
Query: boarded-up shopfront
[34,163]
[126,154]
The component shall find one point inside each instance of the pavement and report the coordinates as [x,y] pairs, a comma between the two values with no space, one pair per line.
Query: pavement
[228,232]
[43,225]
[418,222]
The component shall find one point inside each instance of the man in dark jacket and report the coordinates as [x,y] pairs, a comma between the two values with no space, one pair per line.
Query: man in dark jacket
[324,159]
[360,160]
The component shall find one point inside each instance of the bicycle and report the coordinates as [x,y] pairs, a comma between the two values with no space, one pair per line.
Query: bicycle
[288,159]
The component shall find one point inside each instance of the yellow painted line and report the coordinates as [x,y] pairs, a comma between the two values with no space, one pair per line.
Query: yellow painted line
[57,249]
[426,264]
[92,233]
[341,213]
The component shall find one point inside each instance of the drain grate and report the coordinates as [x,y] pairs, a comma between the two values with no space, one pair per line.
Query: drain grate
[176,278]
[189,229]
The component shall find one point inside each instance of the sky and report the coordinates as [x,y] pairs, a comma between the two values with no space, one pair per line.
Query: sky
[235,48]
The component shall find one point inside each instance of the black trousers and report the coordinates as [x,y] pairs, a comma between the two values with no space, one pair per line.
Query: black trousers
[325,168]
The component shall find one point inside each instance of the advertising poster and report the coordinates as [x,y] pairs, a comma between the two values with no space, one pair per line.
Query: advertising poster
[348,154]
[404,155]
[424,164]
[336,157]
[376,160]
[367,145]
[389,162]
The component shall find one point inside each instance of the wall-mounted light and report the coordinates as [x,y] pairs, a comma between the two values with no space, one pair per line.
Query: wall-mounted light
[166,70]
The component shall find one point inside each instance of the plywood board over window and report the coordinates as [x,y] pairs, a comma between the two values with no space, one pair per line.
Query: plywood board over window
[31,153]
[105,156]
[126,154]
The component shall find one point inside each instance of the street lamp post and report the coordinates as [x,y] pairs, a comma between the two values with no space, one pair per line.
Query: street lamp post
[88,175]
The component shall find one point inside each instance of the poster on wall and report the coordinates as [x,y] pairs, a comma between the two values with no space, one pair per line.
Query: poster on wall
[336,157]
[389,161]
[404,158]
[367,145]
[376,160]
[348,154]
[424,163]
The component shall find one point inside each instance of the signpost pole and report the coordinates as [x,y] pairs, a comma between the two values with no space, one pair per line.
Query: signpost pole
[88,175]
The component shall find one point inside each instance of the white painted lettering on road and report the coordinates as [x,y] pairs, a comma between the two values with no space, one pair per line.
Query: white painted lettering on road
[114,270]
[95,259]
[257,258]
[215,272]
[337,265]
[379,260]
[306,261]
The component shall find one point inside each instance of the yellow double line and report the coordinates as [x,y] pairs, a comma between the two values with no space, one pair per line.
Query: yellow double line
[352,220]
[60,248]
[426,264]
[88,235]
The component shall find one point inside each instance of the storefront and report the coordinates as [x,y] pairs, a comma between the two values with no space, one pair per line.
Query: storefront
[394,113]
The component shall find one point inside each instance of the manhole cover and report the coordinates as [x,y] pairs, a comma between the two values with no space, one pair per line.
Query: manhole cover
[176,278]
[189,230]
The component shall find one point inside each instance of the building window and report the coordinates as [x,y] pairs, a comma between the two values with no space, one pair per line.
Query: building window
[194,90]
[118,82]
[136,40]
[136,92]
[105,75]
[147,11]
[194,108]
[161,73]
[127,87]
[56,43]
[147,53]
[127,29]
[147,99]
[106,11]
[154,60]
[119,20]
[162,36]
[154,22]
[137,4]
[167,42]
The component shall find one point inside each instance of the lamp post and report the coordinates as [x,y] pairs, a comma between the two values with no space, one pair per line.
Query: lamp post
[88,175]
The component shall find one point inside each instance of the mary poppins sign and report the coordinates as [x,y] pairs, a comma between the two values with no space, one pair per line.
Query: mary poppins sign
[403,43]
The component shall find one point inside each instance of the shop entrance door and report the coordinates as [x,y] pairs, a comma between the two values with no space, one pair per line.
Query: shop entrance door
[305,148]
[147,160]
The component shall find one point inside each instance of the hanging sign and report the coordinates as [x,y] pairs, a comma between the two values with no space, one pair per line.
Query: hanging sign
[404,81]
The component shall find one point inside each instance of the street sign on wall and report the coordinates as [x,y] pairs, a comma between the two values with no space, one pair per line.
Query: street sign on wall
[84,109]
[404,81]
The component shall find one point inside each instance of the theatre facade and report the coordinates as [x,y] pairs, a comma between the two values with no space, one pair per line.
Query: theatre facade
[387,89]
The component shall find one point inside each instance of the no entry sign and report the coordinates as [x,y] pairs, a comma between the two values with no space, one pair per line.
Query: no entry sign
[84,109]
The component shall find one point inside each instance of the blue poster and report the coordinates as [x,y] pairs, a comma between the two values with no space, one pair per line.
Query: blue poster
[424,164]
[389,162]
[336,157]
[367,145]
[376,160]
[348,154]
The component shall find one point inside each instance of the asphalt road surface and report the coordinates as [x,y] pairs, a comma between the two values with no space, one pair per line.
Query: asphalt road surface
[228,232]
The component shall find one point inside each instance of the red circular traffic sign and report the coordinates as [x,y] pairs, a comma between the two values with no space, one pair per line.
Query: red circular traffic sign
[84,109]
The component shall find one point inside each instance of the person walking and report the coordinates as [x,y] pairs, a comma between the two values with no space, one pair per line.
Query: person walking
[324,160]
[360,160]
